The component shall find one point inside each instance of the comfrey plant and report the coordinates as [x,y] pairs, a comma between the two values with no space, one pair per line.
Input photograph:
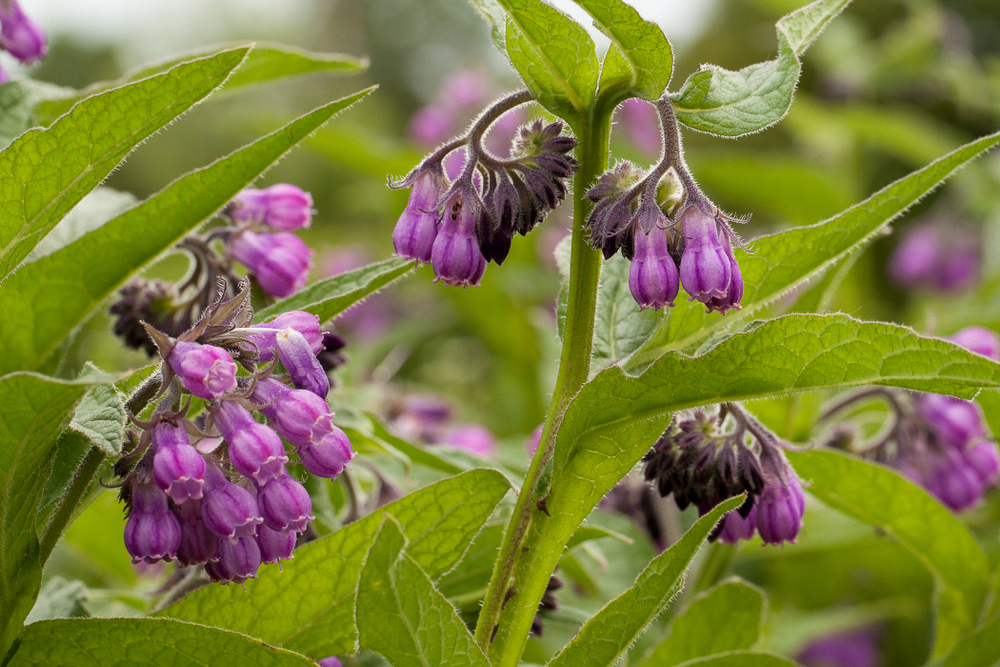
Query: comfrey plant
[690,377]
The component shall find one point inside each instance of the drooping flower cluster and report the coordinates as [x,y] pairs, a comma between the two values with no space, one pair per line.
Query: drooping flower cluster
[20,36]
[216,490]
[458,227]
[702,465]
[937,257]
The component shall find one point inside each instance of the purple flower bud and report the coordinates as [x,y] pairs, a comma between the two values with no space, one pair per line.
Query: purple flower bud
[19,35]
[456,257]
[254,449]
[735,528]
[207,371]
[305,323]
[178,468]
[199,545]
[653,277]
[281,262]
[705,267]
[282,206]
[229,511]
[979,340]
[285,505]
[780,507]
[915,259]
[416,229]
[984,459]
[855,648]
[473,438]
[953,481]
[274,547]
[429,126]
[331,661]
[152,532]
[238,561]
[734,294]
[956,422]
[300,361]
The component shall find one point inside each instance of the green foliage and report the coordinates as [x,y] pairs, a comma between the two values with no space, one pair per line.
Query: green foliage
[884,498]
[620,328]
[46,172]
[733,104]
[978,648]
[142,642]
[607,636]
[309,606]
[47,299]
[741,659]
[402,615]
[331,297]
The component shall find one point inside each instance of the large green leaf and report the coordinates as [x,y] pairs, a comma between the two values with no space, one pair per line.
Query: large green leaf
[439,521]
[143,642]
[266,62]
[47,299]
[35,409]
[979,648]
[45,172]
[603,640]
[403,616]
[732,104]
[554,55]
[329,298]
[786,260]
[728,617]
[884,498]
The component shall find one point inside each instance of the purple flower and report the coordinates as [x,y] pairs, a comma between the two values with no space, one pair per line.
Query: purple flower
[984,459]
[705,267]
[229,511]
[653,277]
[780,507]
[300,361]
[735,528]
[953,481]
[734,294]
[152,532]
[456,257]
[979,340]
[282,206]
[178,468]
[331,661]
[305,323]
[854,648]
[929,256]
[199,545]
[958,268]
[956,422]
[274,547]
[473,438]
[914,260]
[238,561]
[281,262]
[254,449]
[285,505]
[416,229]
[19,35]
[207,371]
[429,126]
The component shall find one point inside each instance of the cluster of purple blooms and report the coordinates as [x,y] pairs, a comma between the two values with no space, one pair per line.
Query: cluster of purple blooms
[20,36]
[216,490]
[937,257]
[702,465]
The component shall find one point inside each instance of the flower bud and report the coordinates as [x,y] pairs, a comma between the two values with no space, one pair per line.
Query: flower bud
[152,532]
[149,301]
[953,481]
[207,371]
[979,340]
[733,296]
[254,449]
[954,421]
[653,276]
[178,468]
[229,510]
[331,661]
[416,229]
[705,268]
[305,323]
[285,505]
[780,507]
[473,438]
[282,206]
[274,547]
[199,545]
[915,259]
[984,459]
[300,361]
[19,35]
[238,561]
[281,262]
[735,527]
[455,256]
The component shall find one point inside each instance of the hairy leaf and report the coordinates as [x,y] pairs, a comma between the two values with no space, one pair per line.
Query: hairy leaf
[46,172]
[884,498]
[47,299]
[93,211]
[403,616]
[732,104]
[620,328]
[100,418]
[439,521]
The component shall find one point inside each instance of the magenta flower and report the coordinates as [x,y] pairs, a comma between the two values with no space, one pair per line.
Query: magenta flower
[281,262]
[283,207]
[207,371]
[19,35]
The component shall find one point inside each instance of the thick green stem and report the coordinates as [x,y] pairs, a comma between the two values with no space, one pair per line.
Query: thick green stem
[504,620]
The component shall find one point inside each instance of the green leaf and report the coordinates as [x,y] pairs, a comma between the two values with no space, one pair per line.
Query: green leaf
[640,61]
[266,62]
[403,616]
[100,418]
[58,598]
[620,328]
[17,98]
[728,617]
[789,259]
[331,297]
[439,521]
[47,299]
[741,659]
[35,409]
[588,533]
[732,104]
[45,172]
[979,648]
[93,211]
[143,642]
[554,55]
[612,630]
[884,498]
[496,18]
